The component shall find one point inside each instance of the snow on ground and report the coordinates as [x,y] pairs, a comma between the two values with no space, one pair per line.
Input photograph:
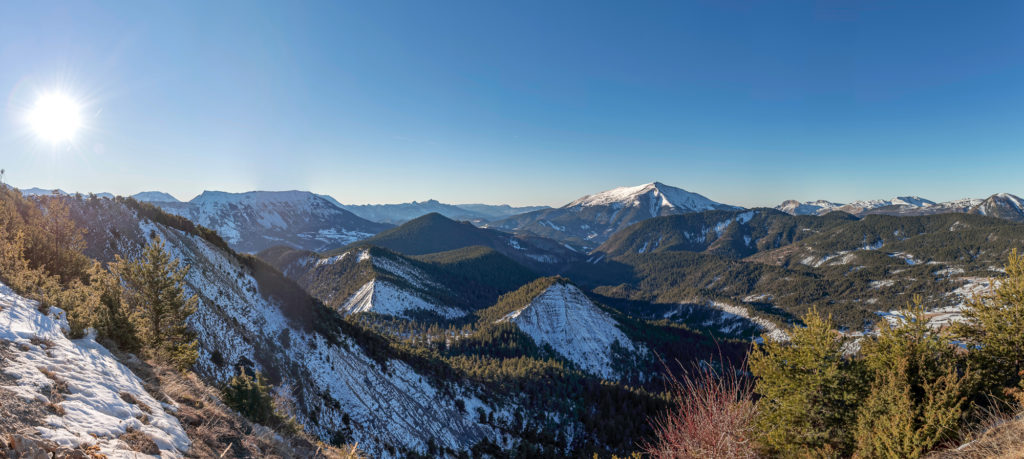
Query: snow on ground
[563,317]
[337,380]
[384,298]
[948,315]
[94,411]
[773,331]
[404,270]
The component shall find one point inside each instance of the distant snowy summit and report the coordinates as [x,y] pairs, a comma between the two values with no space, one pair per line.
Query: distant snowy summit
[1003,205]
[257,220]
[656,197]
[588,221]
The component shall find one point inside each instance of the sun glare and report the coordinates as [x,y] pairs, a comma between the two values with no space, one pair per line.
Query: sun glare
[55,117]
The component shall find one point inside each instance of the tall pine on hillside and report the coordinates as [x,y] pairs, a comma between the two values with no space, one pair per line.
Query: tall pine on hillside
[994,331]
[809,391]
[159,308]
[918,389]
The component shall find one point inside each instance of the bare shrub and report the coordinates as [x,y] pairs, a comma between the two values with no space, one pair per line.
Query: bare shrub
[712,417]
[139,441]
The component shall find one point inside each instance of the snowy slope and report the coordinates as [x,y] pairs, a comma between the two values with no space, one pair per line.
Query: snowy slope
[1002,205]
[329,377]
[563,317]
[819,207]
[396,287]
[256,220]
[94,410]
[652,196]
[384,298]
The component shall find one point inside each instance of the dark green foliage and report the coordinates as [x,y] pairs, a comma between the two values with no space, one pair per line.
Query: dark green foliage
[720,232]
[433,233]
[155,296]
[517,299]
[250,396]
[918,389]
[994,332]
[809,391]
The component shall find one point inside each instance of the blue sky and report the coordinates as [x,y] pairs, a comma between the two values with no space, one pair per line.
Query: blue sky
[748,103]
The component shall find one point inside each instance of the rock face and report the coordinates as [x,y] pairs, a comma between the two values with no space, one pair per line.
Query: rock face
[564,318]
[587,222]
[257,220]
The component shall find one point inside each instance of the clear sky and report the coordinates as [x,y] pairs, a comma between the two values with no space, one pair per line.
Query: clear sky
[748,103]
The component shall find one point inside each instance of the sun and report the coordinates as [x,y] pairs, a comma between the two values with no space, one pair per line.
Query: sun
[55,117]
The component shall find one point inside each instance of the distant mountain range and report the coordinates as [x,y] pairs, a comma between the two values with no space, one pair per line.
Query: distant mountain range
[1003,205]
[44,192]
[433,233]
[253,221]
[439,334]
[257,220]
[588,221]
[401,213]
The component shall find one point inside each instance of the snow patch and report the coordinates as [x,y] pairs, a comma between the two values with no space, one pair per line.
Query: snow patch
[95,413]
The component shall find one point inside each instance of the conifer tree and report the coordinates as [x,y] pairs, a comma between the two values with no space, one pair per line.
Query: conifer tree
[809,391]
[112,321]
[993,331]
[918,389]
[63,239]
[159,308]
[250,395]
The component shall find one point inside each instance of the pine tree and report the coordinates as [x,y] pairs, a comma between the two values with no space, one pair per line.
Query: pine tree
[809,391]
[112,321]
[250,395]
[918,389]
[63,239]
[154,294]
[993,331]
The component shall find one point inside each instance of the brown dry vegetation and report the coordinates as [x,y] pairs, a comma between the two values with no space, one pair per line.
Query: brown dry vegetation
[1001,437]
[712,418]
[217,431]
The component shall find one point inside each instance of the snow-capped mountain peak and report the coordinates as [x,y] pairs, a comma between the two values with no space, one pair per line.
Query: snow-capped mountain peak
[656,195]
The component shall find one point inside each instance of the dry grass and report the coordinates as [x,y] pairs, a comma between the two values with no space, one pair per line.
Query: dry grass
[57,391]
[129,398]
[1000,436]
[216,430]
[139,441]
[712,418]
